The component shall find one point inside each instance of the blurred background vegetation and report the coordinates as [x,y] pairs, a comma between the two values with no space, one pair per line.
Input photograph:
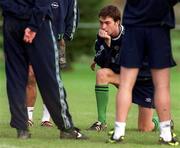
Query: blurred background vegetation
[83,43]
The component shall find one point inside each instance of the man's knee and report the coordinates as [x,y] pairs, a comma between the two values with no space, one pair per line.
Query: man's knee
[102,75]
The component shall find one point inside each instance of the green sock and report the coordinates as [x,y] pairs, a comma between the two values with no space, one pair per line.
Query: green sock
[155,120]
[102,92]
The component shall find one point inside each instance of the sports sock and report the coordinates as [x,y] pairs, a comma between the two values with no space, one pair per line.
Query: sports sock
[119,130]
[155,120]
[30,113]
[102,92]
[165,130]
[46,115]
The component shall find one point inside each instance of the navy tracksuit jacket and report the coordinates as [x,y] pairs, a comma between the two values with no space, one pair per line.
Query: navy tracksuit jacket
[42,54]
[66,16]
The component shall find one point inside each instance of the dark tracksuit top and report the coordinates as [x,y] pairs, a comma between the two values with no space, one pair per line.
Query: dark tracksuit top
[32,10]
[149,13]
[65,19]
[42,53]
[109,57]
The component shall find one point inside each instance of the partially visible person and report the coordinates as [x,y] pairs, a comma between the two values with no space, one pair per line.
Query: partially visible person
[69,13]
[108,47]
[29,38]
[147,24]
[65,21]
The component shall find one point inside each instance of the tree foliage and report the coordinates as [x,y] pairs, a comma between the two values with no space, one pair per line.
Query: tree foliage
[89,9]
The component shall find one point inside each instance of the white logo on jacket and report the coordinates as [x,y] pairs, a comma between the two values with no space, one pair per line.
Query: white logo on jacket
[54,5]
[100,51]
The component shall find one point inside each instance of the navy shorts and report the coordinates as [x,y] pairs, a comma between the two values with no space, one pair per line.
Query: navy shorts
[143,93]
[154,42]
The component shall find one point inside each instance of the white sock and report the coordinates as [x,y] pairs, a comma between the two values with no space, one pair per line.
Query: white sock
[165,130]
[119,130]
[30,113]
[46,115]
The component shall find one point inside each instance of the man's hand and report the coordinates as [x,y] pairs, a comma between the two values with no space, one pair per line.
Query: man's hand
[93,66]
[104,34]
[29,35]
[62,53]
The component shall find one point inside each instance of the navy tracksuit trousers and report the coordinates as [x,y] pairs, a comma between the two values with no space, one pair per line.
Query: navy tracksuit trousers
[43,55]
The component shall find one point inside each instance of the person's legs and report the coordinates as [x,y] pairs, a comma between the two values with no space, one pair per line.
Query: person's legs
[124,99]
[31,94]
[48,76]
[46,68]
[161,79]
[145,117]
[143,96]
[45,121]
[159,41]
[16,64]
[104,76]
[124,95]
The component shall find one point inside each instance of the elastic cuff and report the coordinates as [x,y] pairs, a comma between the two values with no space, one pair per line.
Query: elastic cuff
[60,36]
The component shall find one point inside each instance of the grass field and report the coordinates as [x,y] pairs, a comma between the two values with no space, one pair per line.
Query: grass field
[80,87]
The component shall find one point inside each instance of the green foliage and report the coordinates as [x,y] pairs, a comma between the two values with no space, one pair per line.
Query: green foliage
[89,9]
[83,43]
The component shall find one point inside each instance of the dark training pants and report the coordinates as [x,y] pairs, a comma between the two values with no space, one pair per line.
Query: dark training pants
[43,55]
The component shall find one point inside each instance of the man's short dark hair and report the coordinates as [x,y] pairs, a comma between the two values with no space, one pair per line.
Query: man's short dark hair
[111,11]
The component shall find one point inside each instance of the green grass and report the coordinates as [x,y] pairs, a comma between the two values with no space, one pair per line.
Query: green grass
[79,84]
[80,87]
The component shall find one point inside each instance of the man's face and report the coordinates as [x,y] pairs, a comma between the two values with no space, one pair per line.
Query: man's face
[109,25]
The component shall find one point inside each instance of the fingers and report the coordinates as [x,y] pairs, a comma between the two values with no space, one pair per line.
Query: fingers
[103,34]
[93,65]
[27,39]
[26,35]
[29,35]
